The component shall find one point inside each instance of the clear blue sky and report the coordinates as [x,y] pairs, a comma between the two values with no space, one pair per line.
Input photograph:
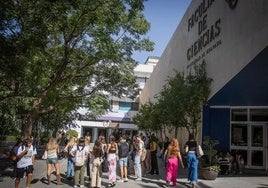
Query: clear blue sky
[164,16]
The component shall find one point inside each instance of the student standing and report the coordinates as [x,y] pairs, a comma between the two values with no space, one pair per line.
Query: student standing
[192,160]
[172,155]
[153,151]
[139,145]
[123,152]
[26,158]
[96,171]
[53,150]
[112,151]
[80,153]
[70,158]
[87,144]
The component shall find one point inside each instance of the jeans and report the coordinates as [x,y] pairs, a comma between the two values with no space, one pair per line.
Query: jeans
[138,166]
[192,163]
[70,167]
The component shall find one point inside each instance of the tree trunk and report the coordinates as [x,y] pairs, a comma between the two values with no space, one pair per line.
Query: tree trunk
[28,124]
[176,132]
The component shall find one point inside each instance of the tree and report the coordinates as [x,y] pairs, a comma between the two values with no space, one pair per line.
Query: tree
[172,98]
[57,55]
[180,103]
[198,90]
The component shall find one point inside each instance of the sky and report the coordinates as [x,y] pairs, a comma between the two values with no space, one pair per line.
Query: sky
[164,17]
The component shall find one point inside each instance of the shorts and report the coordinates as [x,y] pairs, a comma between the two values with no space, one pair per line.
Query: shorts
[52,160]
[20,171]
[123,162]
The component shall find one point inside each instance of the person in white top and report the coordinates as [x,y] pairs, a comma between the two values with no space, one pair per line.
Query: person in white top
[80,152]
[26,158]
[139,145]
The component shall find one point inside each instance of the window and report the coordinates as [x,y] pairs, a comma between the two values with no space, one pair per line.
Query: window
[239,135]
[127,106]
[124,106]
[135,106]
[259,115]
[239,115]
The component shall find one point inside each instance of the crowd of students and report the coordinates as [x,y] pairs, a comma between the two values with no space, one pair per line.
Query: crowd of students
[136,156]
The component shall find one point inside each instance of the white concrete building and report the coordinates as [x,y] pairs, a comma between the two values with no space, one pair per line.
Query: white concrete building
[231,36]
[118,119]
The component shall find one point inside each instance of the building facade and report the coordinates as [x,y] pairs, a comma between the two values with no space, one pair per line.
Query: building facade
[231,38]
[118,118]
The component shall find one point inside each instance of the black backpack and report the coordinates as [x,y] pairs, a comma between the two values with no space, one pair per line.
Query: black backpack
[123,149]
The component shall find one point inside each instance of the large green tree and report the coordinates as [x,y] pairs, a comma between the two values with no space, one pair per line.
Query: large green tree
[57,55]
[179,104]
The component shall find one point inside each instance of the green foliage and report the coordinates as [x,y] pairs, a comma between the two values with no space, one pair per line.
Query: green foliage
[72,133]
[179,104]
[198,90]
[58,55]
[45,136]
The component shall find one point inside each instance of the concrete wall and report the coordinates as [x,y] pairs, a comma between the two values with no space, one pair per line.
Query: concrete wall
[239,35]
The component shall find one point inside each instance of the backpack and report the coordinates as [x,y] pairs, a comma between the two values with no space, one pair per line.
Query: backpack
[80,156]
[123,149]
[12,155]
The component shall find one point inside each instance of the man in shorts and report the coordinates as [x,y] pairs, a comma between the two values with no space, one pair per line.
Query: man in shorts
[123,152]
[26,157]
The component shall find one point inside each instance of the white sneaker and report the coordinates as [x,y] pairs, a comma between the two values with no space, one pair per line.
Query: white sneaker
[126,180]
[120,181]
[82,186]
[75,186]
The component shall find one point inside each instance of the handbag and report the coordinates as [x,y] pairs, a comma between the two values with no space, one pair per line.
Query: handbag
[200,151]
[44,155]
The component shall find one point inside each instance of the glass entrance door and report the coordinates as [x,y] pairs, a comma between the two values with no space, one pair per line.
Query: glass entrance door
[256,152]
[249,140]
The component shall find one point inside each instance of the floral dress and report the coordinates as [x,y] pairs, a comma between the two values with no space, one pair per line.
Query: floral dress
[112,159]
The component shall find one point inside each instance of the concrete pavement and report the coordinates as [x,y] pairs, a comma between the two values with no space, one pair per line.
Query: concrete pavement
[247,180]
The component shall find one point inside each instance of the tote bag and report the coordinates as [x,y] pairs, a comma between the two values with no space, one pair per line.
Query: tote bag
[44,155]
[200,151]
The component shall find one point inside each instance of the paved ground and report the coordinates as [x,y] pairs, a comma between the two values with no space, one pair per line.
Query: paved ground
[247,180]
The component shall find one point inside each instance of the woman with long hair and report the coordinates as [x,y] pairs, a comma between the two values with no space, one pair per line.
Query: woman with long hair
[112,151]
[173,156]
[192,160]
[70,158]
[53,150]
[96,171]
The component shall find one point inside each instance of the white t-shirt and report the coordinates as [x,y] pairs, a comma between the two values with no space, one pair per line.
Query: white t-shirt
[26,160]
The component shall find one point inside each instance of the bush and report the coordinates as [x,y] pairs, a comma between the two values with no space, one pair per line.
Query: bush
[209,160]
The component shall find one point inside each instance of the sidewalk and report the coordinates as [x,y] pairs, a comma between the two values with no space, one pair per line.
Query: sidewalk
[248,180]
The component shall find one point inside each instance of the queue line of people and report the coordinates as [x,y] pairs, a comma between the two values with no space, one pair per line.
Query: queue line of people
[115,155]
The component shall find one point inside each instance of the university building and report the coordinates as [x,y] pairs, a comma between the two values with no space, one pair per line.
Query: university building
[231,37]
[118,118]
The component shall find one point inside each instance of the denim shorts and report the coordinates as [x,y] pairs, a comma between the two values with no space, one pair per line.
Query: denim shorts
[52,160]
[123,162]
